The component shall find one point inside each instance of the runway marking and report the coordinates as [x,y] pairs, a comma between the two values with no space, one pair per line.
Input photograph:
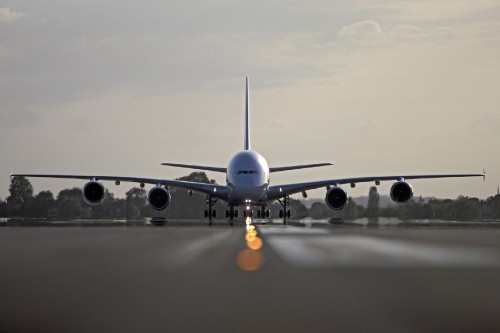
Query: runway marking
[330,251]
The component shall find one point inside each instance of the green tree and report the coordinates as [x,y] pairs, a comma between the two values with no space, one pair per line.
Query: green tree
[136,200]
[3,208]
[494,203]
[71,204]
[110,207]
[373,209]
[43,201]
[466,208]
[463,208]
[298,209]
[319,211]
[197,176]
[187,205]
[352,210]
[21,195]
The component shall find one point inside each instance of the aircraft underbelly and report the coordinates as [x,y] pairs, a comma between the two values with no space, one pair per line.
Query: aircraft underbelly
[240,196]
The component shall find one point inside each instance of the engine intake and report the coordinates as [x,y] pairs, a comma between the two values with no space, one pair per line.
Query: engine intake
[158,198]
[401,192]
[336,198]
[93,192]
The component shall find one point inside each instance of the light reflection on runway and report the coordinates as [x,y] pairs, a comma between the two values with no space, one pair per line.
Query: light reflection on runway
[318,248]
[251,259]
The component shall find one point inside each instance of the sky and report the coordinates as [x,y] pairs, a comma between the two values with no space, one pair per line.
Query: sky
[376,87]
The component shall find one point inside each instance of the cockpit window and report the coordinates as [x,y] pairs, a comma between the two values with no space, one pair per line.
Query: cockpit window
[247,172]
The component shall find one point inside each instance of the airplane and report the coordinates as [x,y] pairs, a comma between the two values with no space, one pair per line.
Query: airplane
[248,184]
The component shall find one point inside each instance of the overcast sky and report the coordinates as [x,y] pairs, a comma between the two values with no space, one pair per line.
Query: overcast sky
[377,87]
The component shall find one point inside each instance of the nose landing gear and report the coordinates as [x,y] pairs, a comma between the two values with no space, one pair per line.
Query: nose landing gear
[263,213]
[231,214]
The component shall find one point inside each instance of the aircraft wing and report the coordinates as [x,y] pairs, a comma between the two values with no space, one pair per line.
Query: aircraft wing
[217,191]
[295,167]
[219,169]
[197,167]
[278,191]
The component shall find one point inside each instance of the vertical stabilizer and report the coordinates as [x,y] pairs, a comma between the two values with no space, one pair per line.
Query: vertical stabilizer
[247,120]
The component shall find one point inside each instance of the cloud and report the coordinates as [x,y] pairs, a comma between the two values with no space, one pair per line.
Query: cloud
[407,30]
[364,31]
[8,15]
[429,9]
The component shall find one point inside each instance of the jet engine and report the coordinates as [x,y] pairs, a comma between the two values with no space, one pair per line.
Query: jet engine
[401,192]
[336,198]
[93,192]
[158,198]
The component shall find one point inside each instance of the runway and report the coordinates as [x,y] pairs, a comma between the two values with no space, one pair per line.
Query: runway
[188,277]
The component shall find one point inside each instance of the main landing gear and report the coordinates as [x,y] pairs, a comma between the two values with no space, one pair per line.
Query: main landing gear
[232,213]
[210,212]
[285,212]
[261,213]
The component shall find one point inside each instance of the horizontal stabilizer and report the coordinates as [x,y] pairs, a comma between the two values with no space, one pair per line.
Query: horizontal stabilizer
[197,167]
[295,167]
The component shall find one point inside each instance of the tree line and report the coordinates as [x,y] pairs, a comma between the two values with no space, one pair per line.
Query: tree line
[461,209]
[69,204]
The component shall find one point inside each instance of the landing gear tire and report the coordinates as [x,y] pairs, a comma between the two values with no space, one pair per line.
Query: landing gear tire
[285,213]
[210,212]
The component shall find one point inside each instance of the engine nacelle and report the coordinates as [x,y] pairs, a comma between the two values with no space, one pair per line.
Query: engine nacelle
[93,192]
[336,198]
[401,192]
[158,198]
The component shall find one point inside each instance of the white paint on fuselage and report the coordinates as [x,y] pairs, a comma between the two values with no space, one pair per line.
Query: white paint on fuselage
[247,178]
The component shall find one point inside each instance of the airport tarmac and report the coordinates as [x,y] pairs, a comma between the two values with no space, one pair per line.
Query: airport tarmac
[188,277]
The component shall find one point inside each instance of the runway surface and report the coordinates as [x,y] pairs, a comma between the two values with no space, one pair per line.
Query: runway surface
[188,277]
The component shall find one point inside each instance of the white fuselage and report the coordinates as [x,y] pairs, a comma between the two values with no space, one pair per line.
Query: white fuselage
[247,178]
